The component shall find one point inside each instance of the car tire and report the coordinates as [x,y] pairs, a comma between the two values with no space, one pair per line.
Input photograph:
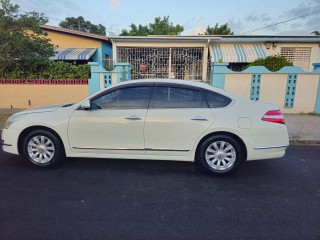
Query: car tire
[221,154]
[42,148]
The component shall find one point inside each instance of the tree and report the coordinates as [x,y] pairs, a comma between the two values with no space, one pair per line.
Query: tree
[82,25]
[218,30]
[316,32]
[158,27]
[24,46]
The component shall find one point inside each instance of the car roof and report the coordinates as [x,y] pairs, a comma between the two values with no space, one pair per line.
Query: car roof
[184,82]
[173,81]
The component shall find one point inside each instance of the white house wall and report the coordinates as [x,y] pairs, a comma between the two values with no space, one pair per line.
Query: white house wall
[315,51]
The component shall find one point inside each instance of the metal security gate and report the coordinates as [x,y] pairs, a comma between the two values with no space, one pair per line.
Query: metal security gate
[158,62]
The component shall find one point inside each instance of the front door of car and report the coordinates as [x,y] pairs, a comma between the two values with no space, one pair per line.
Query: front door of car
[114,124]
[176,118]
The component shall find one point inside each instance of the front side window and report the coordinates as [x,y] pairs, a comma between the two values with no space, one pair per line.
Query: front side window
[216,100]
[174,97]
[133,97]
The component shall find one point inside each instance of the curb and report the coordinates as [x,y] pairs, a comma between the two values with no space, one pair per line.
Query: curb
[305,142]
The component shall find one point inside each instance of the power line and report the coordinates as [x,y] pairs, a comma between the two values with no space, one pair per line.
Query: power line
[275,24]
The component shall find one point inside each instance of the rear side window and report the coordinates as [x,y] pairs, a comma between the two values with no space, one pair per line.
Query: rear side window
[174,97]
[216,100]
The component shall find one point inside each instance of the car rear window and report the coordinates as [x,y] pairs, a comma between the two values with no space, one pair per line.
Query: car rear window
[175,97]
[216,100]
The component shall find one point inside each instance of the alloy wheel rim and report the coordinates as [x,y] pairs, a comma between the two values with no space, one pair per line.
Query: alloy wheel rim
[41,149]
[220,155]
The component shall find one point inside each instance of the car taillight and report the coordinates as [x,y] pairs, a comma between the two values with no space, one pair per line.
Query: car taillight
[273,116]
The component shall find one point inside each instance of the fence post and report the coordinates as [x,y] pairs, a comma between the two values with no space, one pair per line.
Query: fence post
[96,82]
[101,78]
[122,71]
[218,74]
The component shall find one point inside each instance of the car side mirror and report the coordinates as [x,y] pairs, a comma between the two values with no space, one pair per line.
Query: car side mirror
[86,105]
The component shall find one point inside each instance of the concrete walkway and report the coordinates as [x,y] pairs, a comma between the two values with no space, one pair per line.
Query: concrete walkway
[302,128]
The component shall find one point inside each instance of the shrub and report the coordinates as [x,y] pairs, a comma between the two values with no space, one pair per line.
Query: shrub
[54,70]
[272,63]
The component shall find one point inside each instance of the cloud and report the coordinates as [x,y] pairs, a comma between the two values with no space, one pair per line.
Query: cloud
[254,17]
[192,23]
[313,24]
[57,9]
[295,25]
[236,26]
[114,4]
[195,31]
[294,33]
[302,8]
[300,26]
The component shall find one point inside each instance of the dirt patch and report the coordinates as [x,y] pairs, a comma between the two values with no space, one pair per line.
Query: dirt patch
[5,114]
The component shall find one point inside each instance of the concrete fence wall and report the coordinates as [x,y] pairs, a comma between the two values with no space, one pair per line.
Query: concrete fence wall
[29,93]
[291,88]
[101,78]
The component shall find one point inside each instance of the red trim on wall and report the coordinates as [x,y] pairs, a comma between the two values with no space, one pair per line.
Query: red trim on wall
[45,81]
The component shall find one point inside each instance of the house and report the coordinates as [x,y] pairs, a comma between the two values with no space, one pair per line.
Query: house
[190,57]
[79,47]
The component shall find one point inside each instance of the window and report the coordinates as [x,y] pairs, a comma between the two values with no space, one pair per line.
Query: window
[133,97]
[173,97]
[163,62]
[216,100]
[299,56]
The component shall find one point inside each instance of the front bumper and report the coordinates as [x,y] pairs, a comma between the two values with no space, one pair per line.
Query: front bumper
[9,140]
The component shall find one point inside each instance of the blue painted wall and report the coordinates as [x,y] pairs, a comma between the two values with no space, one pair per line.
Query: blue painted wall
[218,74]
[317,105]
[99,73]
[99,55]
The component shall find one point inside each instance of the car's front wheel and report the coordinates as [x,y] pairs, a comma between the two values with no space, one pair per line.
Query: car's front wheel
[42,148]
[221,154]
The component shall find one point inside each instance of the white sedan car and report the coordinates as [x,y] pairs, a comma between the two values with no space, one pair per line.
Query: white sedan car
[151,119]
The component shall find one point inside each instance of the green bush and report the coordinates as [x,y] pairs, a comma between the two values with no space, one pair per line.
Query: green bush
[54,70]
[272,63]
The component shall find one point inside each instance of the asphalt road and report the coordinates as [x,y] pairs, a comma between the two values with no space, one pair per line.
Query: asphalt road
[128,199]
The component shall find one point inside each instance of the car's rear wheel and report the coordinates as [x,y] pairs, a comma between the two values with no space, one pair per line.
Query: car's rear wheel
[42,148]
[221,154]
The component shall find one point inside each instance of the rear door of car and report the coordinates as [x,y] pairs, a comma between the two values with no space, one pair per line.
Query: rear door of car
[178,115]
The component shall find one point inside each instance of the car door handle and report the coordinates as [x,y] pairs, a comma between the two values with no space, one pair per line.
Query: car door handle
[199,118]
[134,117]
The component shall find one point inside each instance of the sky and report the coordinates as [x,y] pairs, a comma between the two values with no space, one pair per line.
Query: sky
[195,15]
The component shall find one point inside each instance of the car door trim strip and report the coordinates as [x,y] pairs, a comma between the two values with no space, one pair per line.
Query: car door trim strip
[132,149]
[270,147]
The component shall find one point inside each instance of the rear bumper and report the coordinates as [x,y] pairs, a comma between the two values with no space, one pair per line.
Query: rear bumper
[268,142]
[268,153]
[9,140]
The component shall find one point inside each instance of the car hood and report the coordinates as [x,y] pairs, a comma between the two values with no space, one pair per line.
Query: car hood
[50,108]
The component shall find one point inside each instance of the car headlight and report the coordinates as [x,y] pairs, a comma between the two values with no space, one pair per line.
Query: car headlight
[13,119]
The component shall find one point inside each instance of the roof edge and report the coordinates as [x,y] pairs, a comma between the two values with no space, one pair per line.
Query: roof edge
[75,32]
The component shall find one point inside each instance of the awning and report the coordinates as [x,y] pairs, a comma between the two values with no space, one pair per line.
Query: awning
[73,53]
[238,52]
